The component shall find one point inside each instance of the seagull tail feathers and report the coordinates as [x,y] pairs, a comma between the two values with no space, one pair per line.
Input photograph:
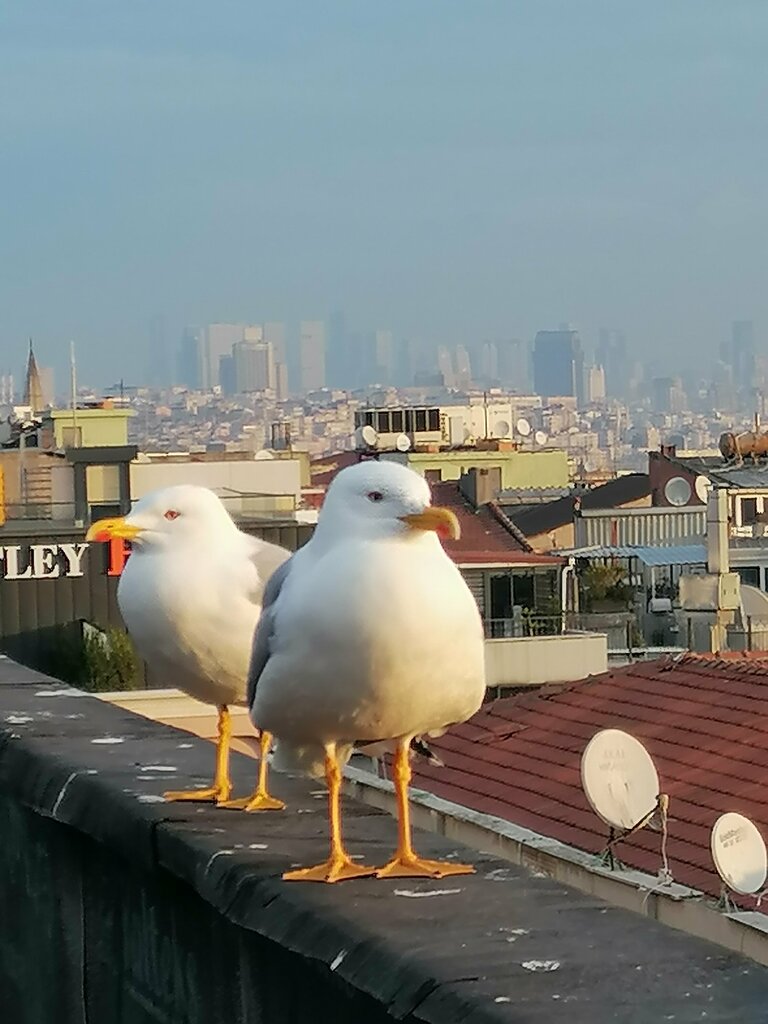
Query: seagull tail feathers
[308,760]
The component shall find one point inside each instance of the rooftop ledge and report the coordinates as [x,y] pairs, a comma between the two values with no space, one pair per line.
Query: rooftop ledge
[80,785]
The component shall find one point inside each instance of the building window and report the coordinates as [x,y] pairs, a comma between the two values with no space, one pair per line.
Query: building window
[368,417]
[382,422]
[748,511]
[433,476]
[434,419]
[397,421]
[409,421]
[749,574]
[421,420]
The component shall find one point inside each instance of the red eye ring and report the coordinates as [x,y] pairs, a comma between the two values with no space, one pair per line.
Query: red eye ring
[171,514]
[375,496]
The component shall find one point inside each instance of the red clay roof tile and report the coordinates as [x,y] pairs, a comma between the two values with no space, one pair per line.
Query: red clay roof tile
[703,720]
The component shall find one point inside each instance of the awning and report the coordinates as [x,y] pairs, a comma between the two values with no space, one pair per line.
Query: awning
[675,554]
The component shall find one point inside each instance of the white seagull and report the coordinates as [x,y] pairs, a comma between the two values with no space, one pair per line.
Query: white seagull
[190,596]
[369,638]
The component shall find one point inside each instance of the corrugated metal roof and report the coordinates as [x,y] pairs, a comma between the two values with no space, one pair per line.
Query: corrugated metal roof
[675,554]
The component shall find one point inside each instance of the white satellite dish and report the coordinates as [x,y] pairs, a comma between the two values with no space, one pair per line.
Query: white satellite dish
[369,436]
[502,428]
[263,456]
[619,779]
[677,491]
[523,427]
[402,442]
[702,487]
[739,853]
[540,437]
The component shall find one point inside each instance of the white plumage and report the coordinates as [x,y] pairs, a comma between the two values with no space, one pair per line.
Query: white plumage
[370,634]
[190,594]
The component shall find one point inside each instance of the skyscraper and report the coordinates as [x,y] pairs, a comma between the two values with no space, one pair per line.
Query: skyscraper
[384,357]
[558,364]
[219,339]
[312,355]
[612,356]
[743,354]
[254,366]
[190,361]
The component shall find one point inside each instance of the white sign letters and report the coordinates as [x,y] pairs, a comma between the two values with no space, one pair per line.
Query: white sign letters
[42,561]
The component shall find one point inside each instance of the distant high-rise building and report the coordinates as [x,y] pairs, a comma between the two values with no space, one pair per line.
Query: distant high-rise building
[384,357]
[254,366]
[190,359]
[312,355]
[667,395]
[219,339]
[226,377]
[489,363]
[281,381]
[558,364]
[343,363]
[463,368]
[612,356]
[595,384]
[274,333]
[445,367]
[513,370]
[743,355]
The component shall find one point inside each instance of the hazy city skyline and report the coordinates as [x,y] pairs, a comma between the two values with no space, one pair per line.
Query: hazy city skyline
[447,171]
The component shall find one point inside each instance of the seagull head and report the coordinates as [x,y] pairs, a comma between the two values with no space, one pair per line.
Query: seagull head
[169,517]
[379,499]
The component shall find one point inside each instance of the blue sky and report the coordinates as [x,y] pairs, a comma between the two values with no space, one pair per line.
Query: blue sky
[449,169]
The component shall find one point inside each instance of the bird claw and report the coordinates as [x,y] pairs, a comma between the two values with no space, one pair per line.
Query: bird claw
[420,867]
[335,869]
[257,802]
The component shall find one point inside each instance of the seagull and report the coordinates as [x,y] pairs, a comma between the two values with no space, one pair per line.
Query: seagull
[369,639]
[190,596]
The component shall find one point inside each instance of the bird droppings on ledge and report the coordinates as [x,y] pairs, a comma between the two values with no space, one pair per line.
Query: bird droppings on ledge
[415,894]
[338,960]
[150,798]
[19,719]
[106,740]
[541,965]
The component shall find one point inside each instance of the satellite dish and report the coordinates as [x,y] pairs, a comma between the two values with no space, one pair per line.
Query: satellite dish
[738,851]
[502,428]
[540,437]
[523,427]
[677,491]
[369,436]
[402,442]
[702,488]
[263,456]
[619,779]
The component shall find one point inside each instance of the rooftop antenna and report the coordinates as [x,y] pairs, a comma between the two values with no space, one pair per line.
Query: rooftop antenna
[739,853]
[621,783]
[73,387]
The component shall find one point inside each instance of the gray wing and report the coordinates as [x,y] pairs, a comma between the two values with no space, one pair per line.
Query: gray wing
[267,558]
[262,636]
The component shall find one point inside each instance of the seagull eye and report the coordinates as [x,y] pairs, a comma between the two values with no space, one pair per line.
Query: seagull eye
[171,514]
[375,496]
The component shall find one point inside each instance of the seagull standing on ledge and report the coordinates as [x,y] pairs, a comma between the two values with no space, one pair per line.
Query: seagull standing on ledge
[369,639]
[190,596]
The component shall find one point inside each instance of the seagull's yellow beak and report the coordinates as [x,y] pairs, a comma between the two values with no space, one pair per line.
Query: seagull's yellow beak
[108,529]
[441,520]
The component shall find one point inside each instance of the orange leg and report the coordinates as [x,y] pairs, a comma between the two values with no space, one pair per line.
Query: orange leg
[339,865]
[222,785]
[406,863]
[260,800]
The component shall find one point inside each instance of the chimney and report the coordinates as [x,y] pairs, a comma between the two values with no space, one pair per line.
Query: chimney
[669,451]
[718,555]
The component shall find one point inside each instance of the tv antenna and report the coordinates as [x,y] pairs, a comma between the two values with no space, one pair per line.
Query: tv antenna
[739,853]
[621,783]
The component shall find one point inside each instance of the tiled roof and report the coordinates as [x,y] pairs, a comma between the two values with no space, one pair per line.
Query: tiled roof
[703,720]
[487,535]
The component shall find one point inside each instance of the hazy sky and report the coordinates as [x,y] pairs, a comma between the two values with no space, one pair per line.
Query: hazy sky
[449,169]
